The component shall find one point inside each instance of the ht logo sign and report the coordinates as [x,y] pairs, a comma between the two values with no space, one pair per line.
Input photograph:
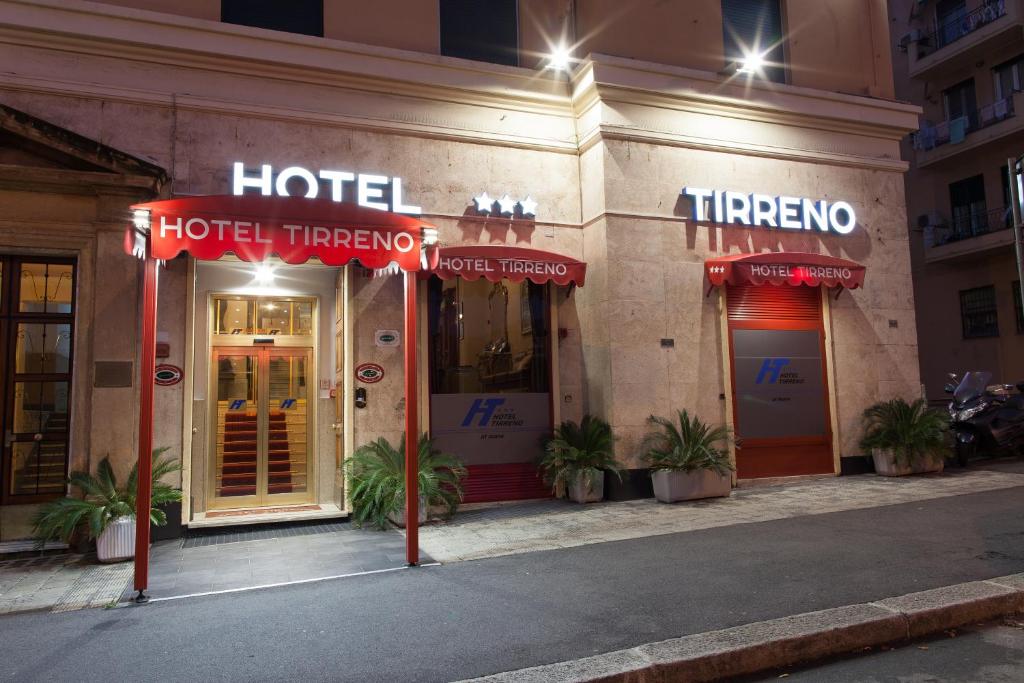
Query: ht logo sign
[771,368]
[484,407]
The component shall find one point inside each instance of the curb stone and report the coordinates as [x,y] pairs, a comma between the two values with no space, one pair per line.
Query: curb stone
[751,648]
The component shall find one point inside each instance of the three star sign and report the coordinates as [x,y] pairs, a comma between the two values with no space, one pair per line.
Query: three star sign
[506,205]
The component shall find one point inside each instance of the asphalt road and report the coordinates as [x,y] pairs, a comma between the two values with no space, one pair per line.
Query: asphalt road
[988,653]
[472,618]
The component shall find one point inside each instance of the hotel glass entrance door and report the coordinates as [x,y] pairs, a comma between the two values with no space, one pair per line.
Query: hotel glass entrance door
[263,438]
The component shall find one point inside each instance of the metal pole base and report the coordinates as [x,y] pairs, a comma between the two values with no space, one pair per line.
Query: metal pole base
[140,599]
[412,564]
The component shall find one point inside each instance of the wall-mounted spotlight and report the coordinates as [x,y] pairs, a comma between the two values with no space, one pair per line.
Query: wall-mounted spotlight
[140,219]
[559,58]
[429,236]
[264,275]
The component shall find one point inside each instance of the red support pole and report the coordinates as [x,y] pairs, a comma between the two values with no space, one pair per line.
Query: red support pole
[147,365]
[412,469]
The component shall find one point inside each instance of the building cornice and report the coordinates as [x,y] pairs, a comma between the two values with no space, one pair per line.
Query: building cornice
[440,97]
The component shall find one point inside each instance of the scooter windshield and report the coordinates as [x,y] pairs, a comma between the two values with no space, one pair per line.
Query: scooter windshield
[971,386]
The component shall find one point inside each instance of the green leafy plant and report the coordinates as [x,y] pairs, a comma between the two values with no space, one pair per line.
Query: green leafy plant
[911,431]
[103,501]
[583,449]
[688,445]
[377,473]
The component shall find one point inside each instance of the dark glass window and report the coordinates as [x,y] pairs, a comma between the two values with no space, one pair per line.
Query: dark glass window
[968,207]
[950,15]
[960,101]
[1009,77]
[755,26]
[294,16]
[1018,309]
[978,312]
[483,31]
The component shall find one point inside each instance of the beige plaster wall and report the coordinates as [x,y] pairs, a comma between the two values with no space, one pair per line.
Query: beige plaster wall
[77,216]
[653,256]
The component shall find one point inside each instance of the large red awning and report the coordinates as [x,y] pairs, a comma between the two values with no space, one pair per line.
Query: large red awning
[784,268]
[254,227]
[497,262]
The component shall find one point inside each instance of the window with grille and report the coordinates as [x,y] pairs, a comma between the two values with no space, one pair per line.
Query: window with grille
[1018,308]
[482,31]
[755,26]
[978,312]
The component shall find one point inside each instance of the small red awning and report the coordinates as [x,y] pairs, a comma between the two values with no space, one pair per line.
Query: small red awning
[784,268]
[254,227]
[496,262]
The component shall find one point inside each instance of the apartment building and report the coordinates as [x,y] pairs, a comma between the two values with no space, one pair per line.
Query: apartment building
[641,207]
[962,62]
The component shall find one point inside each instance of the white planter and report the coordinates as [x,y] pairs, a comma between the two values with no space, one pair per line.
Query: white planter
[398,518]
[670,486]
[580,493]
[117,542]
[886,466]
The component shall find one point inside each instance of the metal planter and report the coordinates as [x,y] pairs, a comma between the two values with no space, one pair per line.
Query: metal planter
[117,542]
[671,486]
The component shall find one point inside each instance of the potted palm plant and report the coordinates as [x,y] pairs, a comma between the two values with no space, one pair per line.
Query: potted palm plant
[106,511]
[576,459]
[688,459]
[377,473]
[904,438]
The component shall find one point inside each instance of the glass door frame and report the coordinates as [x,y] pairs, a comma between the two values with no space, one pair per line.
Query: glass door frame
[10,318]
[249,343]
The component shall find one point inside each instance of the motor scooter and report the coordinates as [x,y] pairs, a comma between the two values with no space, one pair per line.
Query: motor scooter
[984,418]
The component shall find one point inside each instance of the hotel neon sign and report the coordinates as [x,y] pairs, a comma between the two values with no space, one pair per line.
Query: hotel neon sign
[788,213]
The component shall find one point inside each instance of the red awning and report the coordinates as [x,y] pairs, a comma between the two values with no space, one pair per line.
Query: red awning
[495,262]
[784,268]
[254,227]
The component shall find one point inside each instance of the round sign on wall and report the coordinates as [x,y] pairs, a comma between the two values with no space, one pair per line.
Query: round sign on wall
[369,373]
[166,375]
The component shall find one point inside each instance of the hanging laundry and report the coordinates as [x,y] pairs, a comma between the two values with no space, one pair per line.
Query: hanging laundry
[957,130]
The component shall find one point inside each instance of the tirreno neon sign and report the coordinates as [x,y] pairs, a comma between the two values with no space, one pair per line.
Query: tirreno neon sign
[368,188]
[788,213]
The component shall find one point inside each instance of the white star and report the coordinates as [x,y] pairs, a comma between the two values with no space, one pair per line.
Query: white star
[484,203]
[529,206]
[507,205]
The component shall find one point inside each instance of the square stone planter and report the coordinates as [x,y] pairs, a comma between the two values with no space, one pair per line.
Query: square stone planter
[670,486]
[580,493]
[886,466]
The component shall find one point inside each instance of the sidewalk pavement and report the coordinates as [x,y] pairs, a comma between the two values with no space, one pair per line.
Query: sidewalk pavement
[303,553]
[478,532]
[479,618]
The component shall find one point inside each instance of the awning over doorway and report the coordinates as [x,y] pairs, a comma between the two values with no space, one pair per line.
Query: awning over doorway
[784,268]
[254,227]
[497,262]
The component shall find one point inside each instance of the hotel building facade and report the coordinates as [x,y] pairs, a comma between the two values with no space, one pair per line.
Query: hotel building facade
[658,226]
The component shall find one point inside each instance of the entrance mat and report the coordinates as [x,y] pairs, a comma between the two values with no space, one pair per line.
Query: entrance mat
[261,532]
[261,511]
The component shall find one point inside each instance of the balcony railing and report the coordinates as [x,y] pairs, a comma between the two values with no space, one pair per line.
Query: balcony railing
[955,130]
[967,225]
[952,30]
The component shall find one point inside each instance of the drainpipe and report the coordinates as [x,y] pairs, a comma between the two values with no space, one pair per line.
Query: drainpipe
[1013,170]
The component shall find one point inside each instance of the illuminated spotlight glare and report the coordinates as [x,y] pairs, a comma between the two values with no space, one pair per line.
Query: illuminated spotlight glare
[429,236]
[559,58]
[264,274]
[753,62]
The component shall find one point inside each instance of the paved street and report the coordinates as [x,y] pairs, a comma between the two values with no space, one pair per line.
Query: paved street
[472,618]
[984,653]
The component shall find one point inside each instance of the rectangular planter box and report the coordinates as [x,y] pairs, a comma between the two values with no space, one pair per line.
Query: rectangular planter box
[581,494]
[670,487]
[886,466]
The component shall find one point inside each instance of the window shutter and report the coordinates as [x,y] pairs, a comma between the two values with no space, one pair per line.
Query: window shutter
[754,25]
[768,302]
